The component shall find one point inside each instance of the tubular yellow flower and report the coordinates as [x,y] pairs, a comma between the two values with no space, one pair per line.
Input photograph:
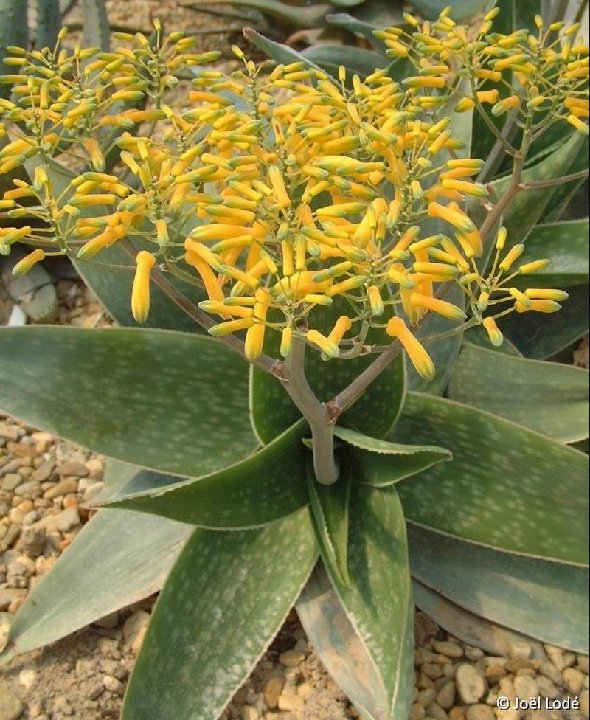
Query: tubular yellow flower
[533,267]
[454,217]
[489,97]
[546,294]
[23,266]
[278,187]
[580,125]
[341,327]
[493,331]
[511,257]
[375,300]
[466,188]
[286,341]
[140,293]
[420,359]
[328,347]
[542,306]
[436,269]
[254,342]
[230,326]
[441,307]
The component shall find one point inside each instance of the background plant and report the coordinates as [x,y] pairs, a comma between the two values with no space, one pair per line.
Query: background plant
[494,514]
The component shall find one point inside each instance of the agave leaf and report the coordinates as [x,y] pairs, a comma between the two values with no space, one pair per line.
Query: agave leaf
[96,24]
[460,10]
[518,592]
[48,23]
[478,336]
[565,244]
[232,591]
[141,551]
[506,487]
[471,628]
[544,336]
[346,3]
[356,60]
[329,505]
[550,398]
[277,51]
[251,493]
[363,633]
[298,16]
[143,396]
[381,463]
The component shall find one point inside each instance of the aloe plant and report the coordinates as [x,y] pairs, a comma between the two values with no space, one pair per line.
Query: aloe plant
[343,443]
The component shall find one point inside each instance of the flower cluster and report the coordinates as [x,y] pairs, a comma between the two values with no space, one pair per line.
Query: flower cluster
[538,77]
[275,191]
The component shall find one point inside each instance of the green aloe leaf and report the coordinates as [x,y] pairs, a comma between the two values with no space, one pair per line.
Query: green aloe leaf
[518,592]
[381,463]
[371,655]
[471,628]
[550,398]
[329,506]
[506,487]
[542,336]
[272,410]
[564,193]
[121,479]
[357,27]
[110,275]
[264,487]
[222,604]
[141,551]
[143,396]
[356,60]
[565,244]
[528,207]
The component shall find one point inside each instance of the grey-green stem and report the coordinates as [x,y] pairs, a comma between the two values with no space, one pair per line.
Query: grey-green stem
[314,411]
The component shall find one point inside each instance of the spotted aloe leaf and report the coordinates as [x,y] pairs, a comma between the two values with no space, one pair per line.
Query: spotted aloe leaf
[550,398]
[142,549]
[363,632]
[374,413]
[528,207]
[232,591]
[148,397]
[478,336]
[381,463]
[565,245]
[277,51]
[251,493]
[330,512]
[471,628]
[507,487]
[520,592]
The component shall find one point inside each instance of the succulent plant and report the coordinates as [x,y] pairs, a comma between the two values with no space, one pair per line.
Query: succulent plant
[371,451]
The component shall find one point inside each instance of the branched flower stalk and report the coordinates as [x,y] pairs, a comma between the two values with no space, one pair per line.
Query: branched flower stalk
[281,191]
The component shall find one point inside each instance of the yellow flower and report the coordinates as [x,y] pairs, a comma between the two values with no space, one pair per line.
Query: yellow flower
[420,359]
[140,293]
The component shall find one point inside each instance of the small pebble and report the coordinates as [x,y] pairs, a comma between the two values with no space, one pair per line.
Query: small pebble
[470,684]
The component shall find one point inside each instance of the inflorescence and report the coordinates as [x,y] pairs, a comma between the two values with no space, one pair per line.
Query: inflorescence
[278,191]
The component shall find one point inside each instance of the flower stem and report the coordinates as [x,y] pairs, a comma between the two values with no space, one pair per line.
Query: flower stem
[314,411]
